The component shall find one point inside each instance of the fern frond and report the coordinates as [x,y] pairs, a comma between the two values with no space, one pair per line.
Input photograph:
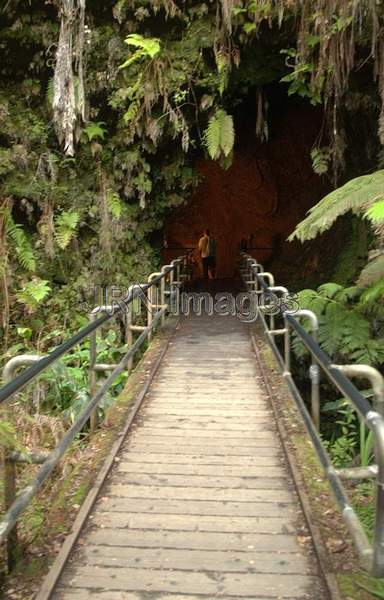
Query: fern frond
[320,160]
[354,196]
[65,227]
[33,292]
[114,204]
[375,214]
[50,92]
[373,270]
[95,130]
[21,244]
[329,290]
[219,136]
[147,48]
[131,113]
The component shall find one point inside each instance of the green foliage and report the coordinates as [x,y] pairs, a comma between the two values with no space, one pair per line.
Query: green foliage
[9,437]
[320,160]
[20,242]
[376,213]
[114,204]
[219,136]
[95,131]
[65,227]
[34,292]
[354,196]
[147,48]
[346,330]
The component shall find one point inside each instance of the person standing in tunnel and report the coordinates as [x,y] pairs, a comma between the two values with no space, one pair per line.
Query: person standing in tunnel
[203,248]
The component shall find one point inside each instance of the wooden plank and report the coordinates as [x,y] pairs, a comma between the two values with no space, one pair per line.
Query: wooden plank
[211,450]
[266,457]
[191,493]
[195,560]
[128,520]
[203,481]
[85,594]
[196,507]
[146,580]
[193,433]
[194,540]
[127,466]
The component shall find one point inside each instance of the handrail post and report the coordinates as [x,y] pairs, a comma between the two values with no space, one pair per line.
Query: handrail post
[287,347]
[153,301]
[314,371]
[271,284]
[93,421]
[9,464]
[375,420]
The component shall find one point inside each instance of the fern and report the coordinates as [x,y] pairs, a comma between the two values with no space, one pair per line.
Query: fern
[376,213]
[114,204]
[131,113]
[95,130]
[50,92]
[219,136]
[320,160]
[65,227]
[21,244]
[345,332]
[222,70]
[354,196]
[146,48]
[374,269]
[33,292]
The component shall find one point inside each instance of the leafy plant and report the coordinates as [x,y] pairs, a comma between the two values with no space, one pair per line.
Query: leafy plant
[219,136]
[320,160]
[34,292]
[146,48]
[356,195]
[65,227]
[20,242]
[345,330]
[114,204]
[95,130]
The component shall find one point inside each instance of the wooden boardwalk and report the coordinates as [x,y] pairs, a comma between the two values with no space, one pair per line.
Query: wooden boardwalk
[200,504]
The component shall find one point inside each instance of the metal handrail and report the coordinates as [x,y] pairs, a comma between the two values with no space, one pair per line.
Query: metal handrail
[15,506]
[371,556]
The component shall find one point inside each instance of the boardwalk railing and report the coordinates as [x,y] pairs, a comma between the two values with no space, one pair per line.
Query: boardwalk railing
[157,295]
[263,285]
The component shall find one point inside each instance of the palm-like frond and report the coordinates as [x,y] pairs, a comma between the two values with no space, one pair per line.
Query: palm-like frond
[355,196]
[219,136]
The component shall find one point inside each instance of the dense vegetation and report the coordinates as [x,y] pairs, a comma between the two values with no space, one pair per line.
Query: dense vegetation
[105,108]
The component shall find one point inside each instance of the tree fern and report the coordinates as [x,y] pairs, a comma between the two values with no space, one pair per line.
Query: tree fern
[219,136]
[65,227]
[355,196]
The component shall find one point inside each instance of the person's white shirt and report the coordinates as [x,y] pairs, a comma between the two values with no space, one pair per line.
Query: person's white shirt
[204,246]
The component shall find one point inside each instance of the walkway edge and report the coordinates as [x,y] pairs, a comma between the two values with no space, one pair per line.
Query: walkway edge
[320,550]
[53,575]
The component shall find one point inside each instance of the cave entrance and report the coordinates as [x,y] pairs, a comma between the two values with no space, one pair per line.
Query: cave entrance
[262,196]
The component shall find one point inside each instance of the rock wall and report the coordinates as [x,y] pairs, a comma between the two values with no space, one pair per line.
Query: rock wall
[264,194]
